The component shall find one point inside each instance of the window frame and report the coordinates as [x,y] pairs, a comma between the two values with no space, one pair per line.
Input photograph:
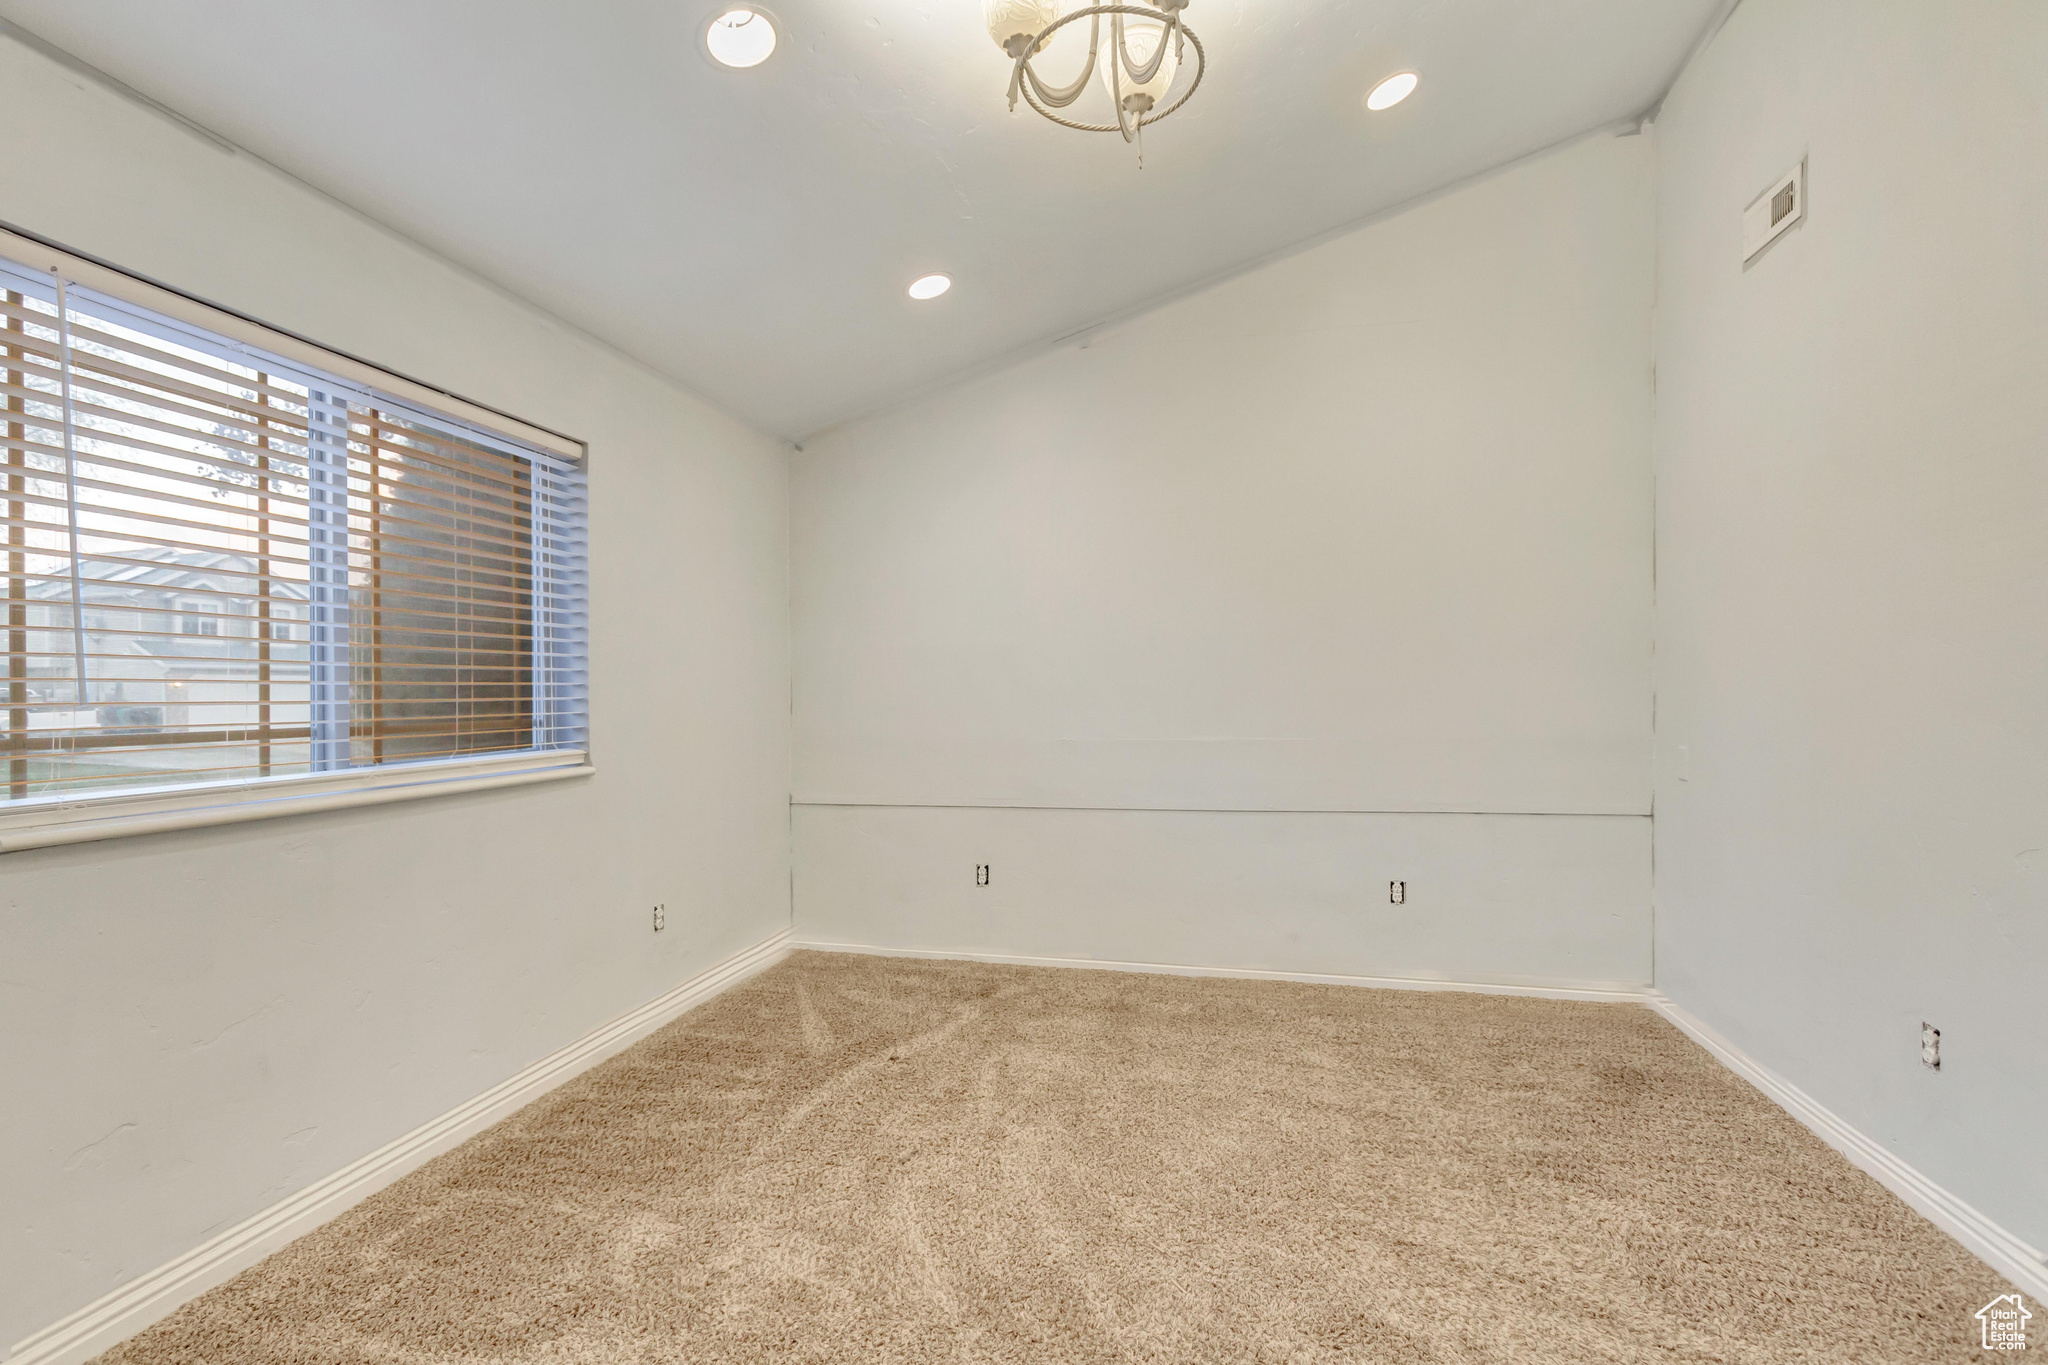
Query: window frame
[42,821]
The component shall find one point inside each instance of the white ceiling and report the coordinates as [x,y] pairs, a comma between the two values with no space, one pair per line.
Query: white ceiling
[751,233]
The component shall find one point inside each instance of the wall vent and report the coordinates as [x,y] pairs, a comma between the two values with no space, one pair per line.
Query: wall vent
[1774,211]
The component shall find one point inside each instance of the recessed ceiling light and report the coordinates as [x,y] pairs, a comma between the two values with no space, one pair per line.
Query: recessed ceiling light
[930,286]
[741,37]
[1392,91]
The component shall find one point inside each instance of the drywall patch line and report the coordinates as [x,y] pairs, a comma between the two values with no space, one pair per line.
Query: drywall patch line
[1614,992]
[1219,810]
[150,1297]
[1983,1238]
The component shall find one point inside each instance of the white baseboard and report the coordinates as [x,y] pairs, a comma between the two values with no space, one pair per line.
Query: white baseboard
[1541,987]
[2020,1263]
[146,1299]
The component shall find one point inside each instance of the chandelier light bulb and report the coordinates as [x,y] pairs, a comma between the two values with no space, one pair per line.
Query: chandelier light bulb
[1141,40]
[1013,23]
[1392,91]
[741,38]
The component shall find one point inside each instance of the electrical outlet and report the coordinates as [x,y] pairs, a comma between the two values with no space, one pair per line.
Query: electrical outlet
[1930,1046]
[981,874]
[660,918]
[1397,893]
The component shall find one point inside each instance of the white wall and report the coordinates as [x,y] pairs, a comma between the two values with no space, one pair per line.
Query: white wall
[1364,530]
[194,1025]
[1852,784]
[1526,900]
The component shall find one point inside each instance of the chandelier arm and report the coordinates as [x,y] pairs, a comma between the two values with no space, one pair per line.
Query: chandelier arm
[1116,65]
[1065,95]
[1152,67]
[1201,69]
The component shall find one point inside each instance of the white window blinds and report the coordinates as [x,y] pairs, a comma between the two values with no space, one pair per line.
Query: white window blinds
[223,565]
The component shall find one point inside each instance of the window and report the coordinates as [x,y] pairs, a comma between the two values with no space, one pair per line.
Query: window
[226,567]
[201,618]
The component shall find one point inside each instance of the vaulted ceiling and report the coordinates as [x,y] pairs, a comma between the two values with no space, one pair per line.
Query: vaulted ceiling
[751,233]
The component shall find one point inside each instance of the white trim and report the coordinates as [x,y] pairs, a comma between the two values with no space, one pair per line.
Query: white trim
[76,820]
[192,312]
[150,1297]
[1616,992]
[2020,1263]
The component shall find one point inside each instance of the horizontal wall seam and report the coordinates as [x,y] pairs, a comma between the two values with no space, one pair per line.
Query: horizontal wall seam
[1214,810]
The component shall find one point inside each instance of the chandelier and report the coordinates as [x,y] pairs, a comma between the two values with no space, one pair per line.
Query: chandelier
[1147,46]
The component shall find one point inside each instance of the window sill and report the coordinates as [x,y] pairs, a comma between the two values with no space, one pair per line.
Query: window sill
[78,820]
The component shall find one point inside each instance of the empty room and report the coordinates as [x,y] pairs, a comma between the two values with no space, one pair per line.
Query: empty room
[1009,681]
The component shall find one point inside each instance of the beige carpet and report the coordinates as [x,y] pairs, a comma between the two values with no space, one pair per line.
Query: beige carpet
[869,1160]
